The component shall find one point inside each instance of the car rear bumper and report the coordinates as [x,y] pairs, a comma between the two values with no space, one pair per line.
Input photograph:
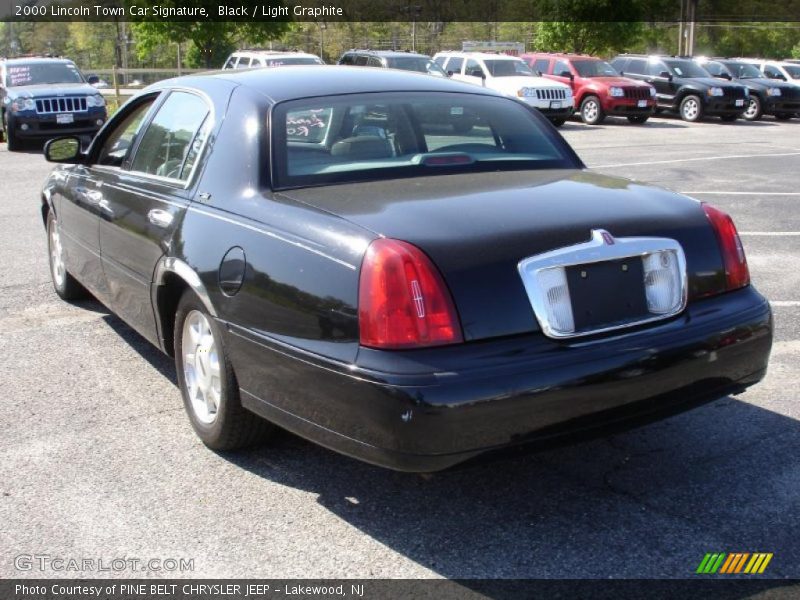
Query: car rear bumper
[430,409]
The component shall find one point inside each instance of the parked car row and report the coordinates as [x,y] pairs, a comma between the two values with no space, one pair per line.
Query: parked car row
[43,96]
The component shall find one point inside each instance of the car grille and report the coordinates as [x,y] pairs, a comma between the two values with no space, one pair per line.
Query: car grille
[638,93]
[67,104]
[734,92]
[551,94]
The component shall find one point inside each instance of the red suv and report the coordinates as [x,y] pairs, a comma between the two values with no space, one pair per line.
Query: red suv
[598,88]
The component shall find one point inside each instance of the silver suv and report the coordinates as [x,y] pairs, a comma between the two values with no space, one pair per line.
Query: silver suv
[252,59]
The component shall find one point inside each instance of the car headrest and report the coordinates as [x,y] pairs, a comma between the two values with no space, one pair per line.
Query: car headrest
[362,147]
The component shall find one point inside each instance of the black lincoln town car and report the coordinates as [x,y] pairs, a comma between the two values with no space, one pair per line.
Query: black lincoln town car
[321,250]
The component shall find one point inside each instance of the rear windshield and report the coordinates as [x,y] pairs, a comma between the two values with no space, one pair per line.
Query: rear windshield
[41,73]
[375,136]
[686,68]
[594,68]
[507,68]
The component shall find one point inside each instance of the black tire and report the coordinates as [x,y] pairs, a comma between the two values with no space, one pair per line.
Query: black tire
[729,118]
[233,427]
[592,112]
[558,122]
[65,285]
[12,140]
[755,109]
[638,119]
[691,108]
[784,116]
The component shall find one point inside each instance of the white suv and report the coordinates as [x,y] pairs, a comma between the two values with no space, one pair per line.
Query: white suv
[510,75]
[776,69]
[252,59]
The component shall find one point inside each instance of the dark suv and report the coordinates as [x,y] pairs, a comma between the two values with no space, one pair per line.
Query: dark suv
[684,86]
[47,97]
[392,59]
[767,96]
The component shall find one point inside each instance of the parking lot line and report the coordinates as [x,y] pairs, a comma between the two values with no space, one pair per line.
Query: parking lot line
[699,158]
[784,303]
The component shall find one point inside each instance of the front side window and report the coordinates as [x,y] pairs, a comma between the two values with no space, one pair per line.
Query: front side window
[542,65]
[716,69]
[655,68]
[473,68]
[168,141]
[42,73]
[120,140]
[419,64]
[293,60]
[376,136]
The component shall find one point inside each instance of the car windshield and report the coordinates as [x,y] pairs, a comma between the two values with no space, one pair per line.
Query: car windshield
[744,70]
[408,134]
[793,71]
[293,60]
[507,68]
[594,68]
[36,73]
[415,63]
[686,68]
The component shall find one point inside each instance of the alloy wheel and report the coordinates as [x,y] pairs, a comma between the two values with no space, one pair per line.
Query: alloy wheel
[201,367]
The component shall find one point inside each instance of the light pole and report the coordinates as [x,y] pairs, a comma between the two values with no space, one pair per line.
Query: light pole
[322,27]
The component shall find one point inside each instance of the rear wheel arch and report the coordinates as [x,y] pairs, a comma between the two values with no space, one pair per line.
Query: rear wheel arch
[172,278]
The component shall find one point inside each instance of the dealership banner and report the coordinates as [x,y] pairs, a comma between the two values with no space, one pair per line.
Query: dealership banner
[435,11]
[369,589]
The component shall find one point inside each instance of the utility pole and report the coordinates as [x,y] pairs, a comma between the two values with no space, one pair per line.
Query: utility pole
[322,27]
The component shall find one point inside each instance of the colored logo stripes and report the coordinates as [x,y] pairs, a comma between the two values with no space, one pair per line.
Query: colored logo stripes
[734,562]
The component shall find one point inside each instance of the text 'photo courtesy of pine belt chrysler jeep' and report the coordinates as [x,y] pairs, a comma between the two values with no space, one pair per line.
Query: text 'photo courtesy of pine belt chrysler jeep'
[685,87]
[767,96]
[42,98]
[513,77]
[320,253]
[598,89]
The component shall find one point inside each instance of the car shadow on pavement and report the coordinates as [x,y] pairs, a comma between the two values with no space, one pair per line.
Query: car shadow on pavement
[647,503]
[159,361]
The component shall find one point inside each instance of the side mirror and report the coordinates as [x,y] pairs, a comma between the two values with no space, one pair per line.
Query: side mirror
[63,150]
[665,75]
[450,73]
[483,78]
[622,73]
[566,74]
[777,76]
[92,79]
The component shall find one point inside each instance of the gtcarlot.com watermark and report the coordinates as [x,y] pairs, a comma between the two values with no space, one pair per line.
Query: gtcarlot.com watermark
[47,562]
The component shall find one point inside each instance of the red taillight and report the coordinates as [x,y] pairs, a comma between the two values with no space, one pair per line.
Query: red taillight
[402,300]
[737,275]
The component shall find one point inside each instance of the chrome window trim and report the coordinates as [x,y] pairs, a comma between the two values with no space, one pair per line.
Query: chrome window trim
[179,183]
[602,247]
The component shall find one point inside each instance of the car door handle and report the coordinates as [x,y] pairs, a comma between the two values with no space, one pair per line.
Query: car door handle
[89,196]
[160,218]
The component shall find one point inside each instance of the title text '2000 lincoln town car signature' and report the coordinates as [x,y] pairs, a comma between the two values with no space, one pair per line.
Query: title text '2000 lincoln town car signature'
[324,249]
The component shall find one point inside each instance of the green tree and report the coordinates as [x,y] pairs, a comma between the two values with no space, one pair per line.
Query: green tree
[210,39]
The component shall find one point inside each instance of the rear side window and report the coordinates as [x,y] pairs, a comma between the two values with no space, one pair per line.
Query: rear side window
[168,147]
[359,137]
[374,62]
[361,60]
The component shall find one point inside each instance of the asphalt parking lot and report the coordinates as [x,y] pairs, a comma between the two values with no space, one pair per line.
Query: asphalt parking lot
[99,461]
